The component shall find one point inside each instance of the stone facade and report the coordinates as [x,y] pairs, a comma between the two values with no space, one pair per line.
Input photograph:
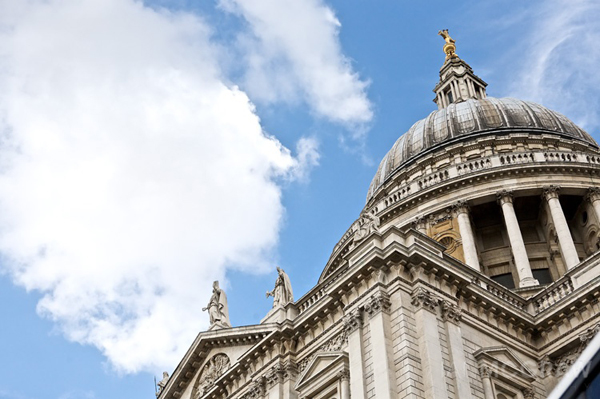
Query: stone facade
[472,272]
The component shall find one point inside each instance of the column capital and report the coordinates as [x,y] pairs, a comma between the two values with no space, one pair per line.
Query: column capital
[504,197]
[421,298]
[593,194]
[550,192]
[379,302]
[419,223]
[461,206]
[344,375]
[528,393]
[485,371]
[450,312]
[353,321]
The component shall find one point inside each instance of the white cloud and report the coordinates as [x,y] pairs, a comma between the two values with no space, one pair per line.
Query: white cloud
[293,52]
[560,56]
[131,176]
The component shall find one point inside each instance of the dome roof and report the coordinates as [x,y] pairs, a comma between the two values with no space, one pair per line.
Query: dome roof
[470,117]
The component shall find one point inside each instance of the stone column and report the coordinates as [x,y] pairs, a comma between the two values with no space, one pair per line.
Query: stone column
[420,224]
[565,241]
[432,364]
[344,384]
[353,326]
[486,377]
[466,235]
[451,314]
[593,195]
[378,309]
[517,244]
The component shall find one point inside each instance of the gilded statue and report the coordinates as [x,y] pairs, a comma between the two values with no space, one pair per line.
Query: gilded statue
[450,46]
[217,308]
[282,293]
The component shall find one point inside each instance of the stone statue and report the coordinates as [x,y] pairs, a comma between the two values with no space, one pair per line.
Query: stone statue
[367,223]
[282,293]
[449,47]
[217,308]
[162,383]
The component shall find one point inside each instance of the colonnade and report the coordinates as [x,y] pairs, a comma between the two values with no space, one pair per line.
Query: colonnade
[517,245]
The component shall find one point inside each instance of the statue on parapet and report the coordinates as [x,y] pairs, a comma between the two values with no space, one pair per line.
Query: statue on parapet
[162,383]
[450,46]
[217,309]
[282,293]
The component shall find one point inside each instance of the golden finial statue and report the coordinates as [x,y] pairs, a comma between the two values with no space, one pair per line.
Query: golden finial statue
[449,47]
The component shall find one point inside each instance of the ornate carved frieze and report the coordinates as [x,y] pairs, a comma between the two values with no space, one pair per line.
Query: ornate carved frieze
[422,298]
[274,376]
[379,302]
[559,366]
[450,312]
[587,336]
[211,371]
[336,343]
[353,321]
[290,371]
[257,390]
[550,192]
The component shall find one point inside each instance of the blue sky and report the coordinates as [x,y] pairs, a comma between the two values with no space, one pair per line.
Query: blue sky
[149,148]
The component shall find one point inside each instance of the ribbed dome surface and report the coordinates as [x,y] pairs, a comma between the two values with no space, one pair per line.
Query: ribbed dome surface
[469,117]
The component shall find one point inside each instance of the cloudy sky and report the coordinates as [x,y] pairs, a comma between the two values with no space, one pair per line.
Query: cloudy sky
[148,148]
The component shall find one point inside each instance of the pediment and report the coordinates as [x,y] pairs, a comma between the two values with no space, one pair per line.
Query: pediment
[503,361]
[235,343]
[325,365]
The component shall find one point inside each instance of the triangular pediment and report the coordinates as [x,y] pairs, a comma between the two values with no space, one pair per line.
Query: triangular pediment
[502,358]
[235,342]
[321,366]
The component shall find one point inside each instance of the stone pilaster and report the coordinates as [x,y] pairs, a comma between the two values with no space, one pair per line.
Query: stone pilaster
[432,365]
[466,233]
[517,245]
[353,327]
[452,315]
[565,240]
[378,310]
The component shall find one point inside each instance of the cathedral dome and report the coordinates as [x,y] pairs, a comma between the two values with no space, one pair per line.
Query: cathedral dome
[474,118]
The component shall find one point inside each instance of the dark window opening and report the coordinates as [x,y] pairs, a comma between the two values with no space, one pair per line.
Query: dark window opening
[543,276]
[450,97]
[505,279]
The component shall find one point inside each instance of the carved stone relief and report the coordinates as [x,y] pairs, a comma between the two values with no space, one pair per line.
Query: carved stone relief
[211,371]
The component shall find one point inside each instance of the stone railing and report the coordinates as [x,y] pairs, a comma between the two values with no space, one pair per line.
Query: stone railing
[310,300]
[397,196]
[473,166]
[517,158]
[506,296]
[432,178]
[553,294]
[560,157]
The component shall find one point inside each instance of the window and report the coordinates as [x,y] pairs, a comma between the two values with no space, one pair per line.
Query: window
[543,276]
[505,279]
[450,96]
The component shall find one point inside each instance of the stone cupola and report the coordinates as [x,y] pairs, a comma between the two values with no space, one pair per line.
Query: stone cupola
[457,82]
